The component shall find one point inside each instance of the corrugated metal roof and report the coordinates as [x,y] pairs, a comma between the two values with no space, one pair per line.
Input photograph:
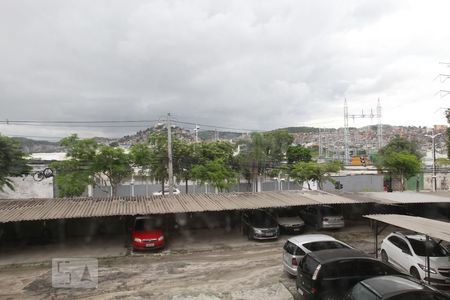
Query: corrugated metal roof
[437,229]
[65,208]
[408,197]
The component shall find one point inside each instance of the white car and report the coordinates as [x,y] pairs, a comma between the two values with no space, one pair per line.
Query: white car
[166,192]
[296,247]
[408,253]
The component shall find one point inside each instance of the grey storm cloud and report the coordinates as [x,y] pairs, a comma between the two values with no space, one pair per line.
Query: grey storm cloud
[244,64]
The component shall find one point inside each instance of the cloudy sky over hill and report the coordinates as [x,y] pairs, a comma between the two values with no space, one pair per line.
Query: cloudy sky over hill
[243,64]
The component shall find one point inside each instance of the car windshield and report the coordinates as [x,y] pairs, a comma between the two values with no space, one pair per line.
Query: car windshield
[262,220]
[322,245]
[329,211]
[287,213]
[434,250]
[144,224]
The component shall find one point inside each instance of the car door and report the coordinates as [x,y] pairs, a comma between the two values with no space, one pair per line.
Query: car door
[397,252]
[406,259]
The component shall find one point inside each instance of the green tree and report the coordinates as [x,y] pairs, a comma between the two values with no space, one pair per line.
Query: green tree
[185,159]
[399,144]
[71,178]
[141,156]
[254,160]
[181,159]
[73,175]
[216,172]
[313,171]
[213,162]
[403,164]
[87,159]
[278,142]
[159,159]
[13,162]
[296,154]
[113,163]
[264,154]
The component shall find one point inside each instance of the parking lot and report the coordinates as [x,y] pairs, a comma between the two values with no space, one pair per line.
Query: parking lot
[196,264]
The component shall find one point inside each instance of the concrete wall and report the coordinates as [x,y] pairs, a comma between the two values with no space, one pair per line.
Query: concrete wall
[442,181]
[357,183]
[27,187]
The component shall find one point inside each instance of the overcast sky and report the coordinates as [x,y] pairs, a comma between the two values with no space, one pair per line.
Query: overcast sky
[245,64]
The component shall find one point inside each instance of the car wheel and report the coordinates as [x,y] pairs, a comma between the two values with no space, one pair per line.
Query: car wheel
[290,276]
[384,256]
[415,273]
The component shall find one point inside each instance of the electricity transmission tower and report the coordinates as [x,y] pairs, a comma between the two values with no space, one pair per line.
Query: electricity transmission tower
[363,115]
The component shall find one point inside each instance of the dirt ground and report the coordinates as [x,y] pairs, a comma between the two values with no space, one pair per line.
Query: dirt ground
[210,265]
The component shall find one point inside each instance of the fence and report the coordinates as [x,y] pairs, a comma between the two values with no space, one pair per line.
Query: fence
[353,183]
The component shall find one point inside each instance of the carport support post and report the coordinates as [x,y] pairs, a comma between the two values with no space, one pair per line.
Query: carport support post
[377,232]
[427,249]
[376,239]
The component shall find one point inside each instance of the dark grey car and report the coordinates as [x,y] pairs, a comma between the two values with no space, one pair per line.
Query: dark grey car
[259,225]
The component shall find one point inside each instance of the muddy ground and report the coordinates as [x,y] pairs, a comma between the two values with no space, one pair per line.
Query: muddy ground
[235,269]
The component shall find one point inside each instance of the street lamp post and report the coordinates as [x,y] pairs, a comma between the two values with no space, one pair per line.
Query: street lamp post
[433,136]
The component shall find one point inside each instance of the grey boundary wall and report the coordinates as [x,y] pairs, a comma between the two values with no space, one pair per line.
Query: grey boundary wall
[353,183]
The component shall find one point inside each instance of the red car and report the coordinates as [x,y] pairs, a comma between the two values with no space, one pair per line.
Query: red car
[146,234]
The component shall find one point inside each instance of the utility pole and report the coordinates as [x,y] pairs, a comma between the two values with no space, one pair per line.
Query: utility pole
[346,151]
[380,126]
[433,137]
[169,153]
[196,133]
[320,145]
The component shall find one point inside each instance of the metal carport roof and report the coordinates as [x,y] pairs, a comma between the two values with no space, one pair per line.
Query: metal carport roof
[431,228]
[436,229]
[65,208]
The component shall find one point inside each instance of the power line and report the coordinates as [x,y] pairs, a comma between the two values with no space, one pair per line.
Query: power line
[75,126]
[77,122]
[215,126]
[34,136]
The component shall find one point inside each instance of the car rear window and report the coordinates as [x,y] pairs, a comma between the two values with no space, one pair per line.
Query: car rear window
[323,245]
[299,251]
[289,247]
[309,265]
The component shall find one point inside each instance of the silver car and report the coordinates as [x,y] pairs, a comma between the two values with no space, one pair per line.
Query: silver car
[322,217]
[289,220]
[296,247]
